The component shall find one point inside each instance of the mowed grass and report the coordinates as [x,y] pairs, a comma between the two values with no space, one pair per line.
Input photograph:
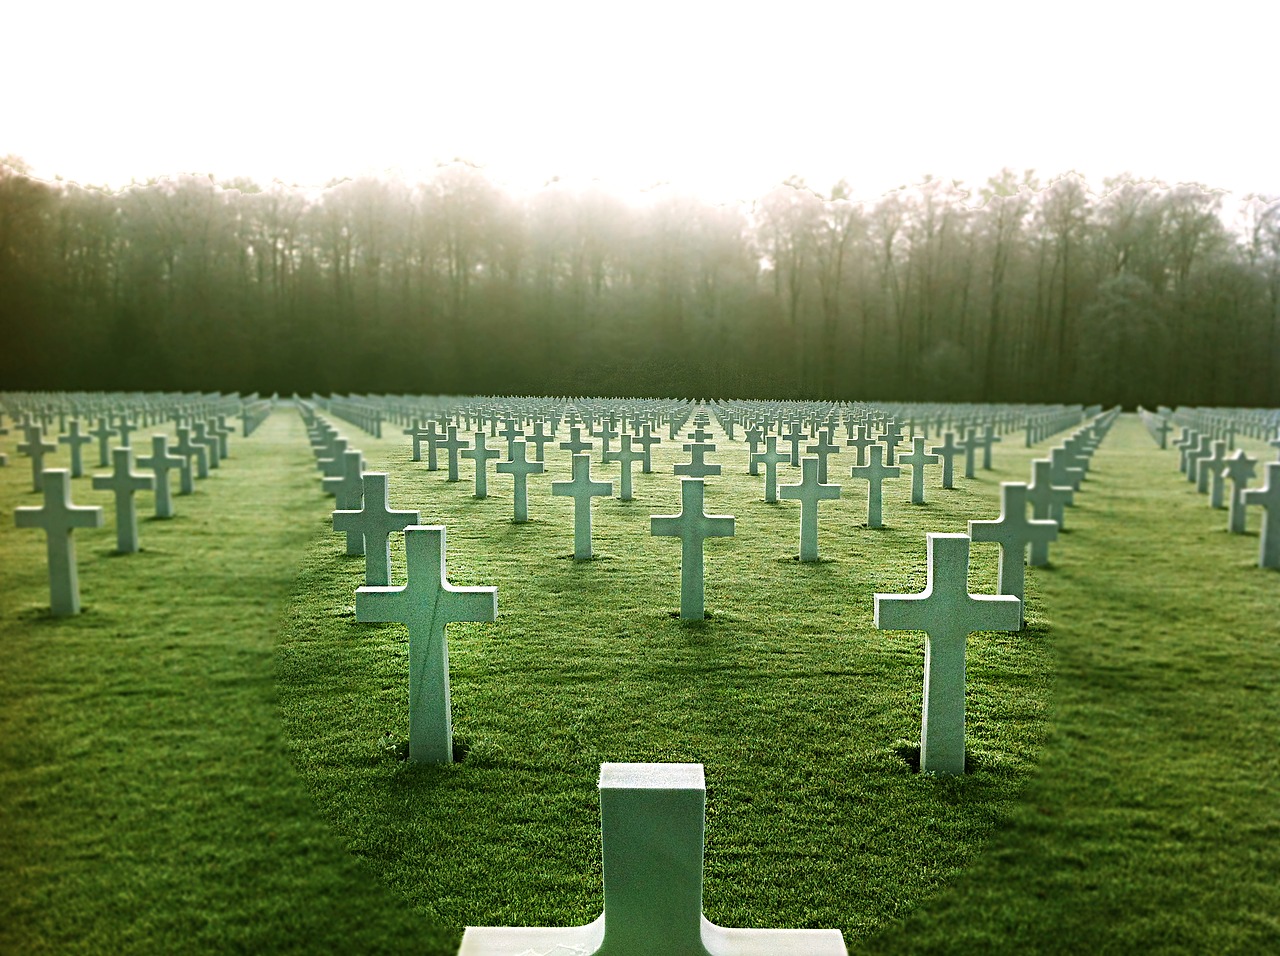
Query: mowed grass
[148,802]
[806,718]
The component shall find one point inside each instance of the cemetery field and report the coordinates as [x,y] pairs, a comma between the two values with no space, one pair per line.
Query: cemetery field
[209,757]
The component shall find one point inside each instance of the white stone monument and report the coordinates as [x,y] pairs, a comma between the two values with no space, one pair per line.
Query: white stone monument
[692,526]
[59,518]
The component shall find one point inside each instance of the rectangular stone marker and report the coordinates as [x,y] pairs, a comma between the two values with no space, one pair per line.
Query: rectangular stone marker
[1014,532]
[582,489]
[653,826]
[692,526]
[809,492]
[376,522]
[59,517]
[123,482]
[425,605]
[947,613]
[520,468]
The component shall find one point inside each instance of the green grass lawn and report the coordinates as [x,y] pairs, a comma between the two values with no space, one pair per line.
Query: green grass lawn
[165,788]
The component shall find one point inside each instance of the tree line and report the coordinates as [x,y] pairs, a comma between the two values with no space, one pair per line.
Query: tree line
[1020,291]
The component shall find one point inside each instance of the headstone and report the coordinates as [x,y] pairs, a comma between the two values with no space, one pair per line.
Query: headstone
[582,489]
[825,447]
[36,447]
[453,444]
[481,454]
[123,482]
[947,451]
[809,492]
[890,438]
[348,492]
[538,438]
[1240,469]
[376,522]
[795,436]
[862,443]
[161,463]
[970,446]
[189,449]
[425,605]
[1013,532]
[652,826]
[692,526]
[1213,471]
[753,435]
[698,466]
[103,434]
[646,440]
[989,438]
[626,456]
[75,443]
[59,518]
[1048,501]
[1268,498]
[947,613]
[770,458]
[125,428]
[576,445]
[917,459]
[875,472]
[520,468]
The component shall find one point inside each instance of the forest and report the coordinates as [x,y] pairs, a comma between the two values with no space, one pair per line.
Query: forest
[1018,291]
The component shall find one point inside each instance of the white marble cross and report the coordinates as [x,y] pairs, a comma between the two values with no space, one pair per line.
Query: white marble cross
[809,492]
[697,466]
[425,605]
[375,522]
[653,830]
[520,468]
[36,447]
[59,517]
[1268,498]
[626,456]
[875,472]
[1013,532]
[692,526]
[1240,468]
[123,482]
[582,489]
[947,451]
[917,459]
[347,489]
[947,613]
[161,463]
[75,441]
[770,458]
[480,453]
[453,444]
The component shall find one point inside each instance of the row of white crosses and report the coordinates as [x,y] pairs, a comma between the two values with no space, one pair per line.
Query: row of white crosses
[59,517]
[1206,464]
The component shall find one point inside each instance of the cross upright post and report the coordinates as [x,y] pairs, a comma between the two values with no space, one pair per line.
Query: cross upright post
[692,526]
[652,827]
[1047,501]
[1213,472]
[520,468]
[1268,498]
[37,448]
[416,433]
[425,604]
[875,472]
[161,462]
[770,458]
[582,489]
[75,442]
[123,482]
[1013,532]
[890,438]
[201,436]
[809,492]
[947,451]
[970,446]
[626,456]
[375,522]
[947,613]
[917,459]
[59,518]
[452,445]
[481,454]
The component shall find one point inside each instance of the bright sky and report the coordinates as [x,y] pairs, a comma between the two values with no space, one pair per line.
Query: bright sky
[723,99]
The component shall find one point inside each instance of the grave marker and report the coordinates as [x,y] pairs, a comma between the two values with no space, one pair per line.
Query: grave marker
[376,522]
[809,492]
[36,447]
[697,467]
[481,454]
[452,445]
[161,463]
[75,443]
[652,825]
[692,526]
[947,613]
[103,434]
[1268,498]
[425,605]
[1240,468]
[582,489]
[520,468]
[917,459]
[626,456]
[947,451]
[1013,532]
[123,482]
[875,472]
[59,518]
[348,492]
[770,458]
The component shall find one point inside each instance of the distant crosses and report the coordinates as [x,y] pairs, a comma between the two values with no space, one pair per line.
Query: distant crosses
[890,439]
[201,436]
[416,434]
[970,446]
[917,459]
[36,447]
[1213,467]
[697,467]
[809,492]
[425,605]
[520,468]
[875,472]
[59,518]
[103,434]
[626,456]
[161,463]
[947,613]
[1047,501]
[582,489]
[376,522]
[189,449]
[947,451]
[606,434]
[770,458]
[75,443]
[510,432]
[989,438]
[576,445]
[692,526]
[481,454]
[123,482]
[126,428]
[452,444]
[1013,532]
[1239,469]
[1268,498]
